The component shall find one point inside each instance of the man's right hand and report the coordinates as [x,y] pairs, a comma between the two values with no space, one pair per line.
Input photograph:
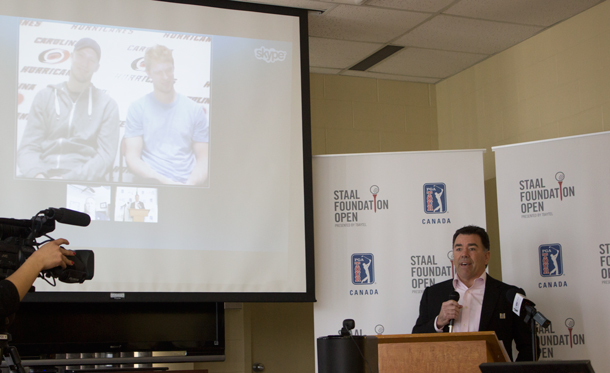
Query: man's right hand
[449,310]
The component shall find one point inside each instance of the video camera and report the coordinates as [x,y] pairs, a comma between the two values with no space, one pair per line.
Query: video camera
[18,242]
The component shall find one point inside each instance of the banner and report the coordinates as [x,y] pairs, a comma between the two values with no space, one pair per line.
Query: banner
[554,213]
[383,229]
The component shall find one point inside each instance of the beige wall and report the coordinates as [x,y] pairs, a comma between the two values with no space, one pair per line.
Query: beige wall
[360,115]
[552,85]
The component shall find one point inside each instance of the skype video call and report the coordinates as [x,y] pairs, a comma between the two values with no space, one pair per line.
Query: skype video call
[181,140]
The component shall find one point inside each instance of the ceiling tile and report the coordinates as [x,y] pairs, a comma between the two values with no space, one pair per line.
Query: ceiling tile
[529,12]
[431,6]
[427,63]
[339,53]
[467,35]
[361,23]
[406,78]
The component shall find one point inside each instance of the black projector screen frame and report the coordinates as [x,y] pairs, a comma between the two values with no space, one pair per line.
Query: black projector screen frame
[244,231]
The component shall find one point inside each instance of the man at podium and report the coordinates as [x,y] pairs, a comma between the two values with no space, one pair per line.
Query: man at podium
[482,305]
[137,204]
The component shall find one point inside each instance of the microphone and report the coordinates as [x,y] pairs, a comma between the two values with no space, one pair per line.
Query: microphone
[522,304]
[41,224]
[348,324]
[456,297]
[67,216]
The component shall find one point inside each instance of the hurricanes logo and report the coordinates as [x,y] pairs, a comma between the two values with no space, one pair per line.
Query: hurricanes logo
[138,64]
[54,56]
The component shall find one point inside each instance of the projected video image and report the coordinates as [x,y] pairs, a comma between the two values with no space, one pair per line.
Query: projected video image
[136,205]
[122,105]
[93,201]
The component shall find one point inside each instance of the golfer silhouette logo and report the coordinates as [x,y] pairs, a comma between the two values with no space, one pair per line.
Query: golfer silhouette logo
[363,269]
[551,260]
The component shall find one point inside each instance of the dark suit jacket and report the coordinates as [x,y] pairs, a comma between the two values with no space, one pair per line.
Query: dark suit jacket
[496,315]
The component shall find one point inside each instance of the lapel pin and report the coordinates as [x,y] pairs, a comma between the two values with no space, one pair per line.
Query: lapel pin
[502,316]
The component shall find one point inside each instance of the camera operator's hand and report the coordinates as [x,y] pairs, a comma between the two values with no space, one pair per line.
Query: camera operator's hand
[50,255]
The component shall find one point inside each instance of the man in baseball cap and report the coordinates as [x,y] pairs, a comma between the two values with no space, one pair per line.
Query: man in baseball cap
[89,43]
[72,130]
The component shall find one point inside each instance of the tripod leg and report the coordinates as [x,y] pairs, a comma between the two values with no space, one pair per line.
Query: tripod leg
[13,360]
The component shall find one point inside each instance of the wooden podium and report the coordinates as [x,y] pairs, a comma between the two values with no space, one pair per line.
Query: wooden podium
[138,214]
[434,352]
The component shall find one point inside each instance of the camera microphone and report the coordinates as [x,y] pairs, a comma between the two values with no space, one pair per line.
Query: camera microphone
[67,216]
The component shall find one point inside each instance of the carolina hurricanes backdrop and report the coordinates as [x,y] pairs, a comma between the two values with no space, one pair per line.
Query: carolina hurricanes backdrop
[383,229]
[45,48]
[554,211]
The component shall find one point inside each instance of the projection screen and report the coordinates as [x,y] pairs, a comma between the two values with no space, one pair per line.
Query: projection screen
[195,170]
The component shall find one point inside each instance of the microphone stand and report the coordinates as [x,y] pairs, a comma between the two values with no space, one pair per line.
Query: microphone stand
[532,317]
[534,347]
[530,320]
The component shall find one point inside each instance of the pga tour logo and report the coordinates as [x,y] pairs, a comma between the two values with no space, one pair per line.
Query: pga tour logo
[363,269]
[551,260]
[435,198]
